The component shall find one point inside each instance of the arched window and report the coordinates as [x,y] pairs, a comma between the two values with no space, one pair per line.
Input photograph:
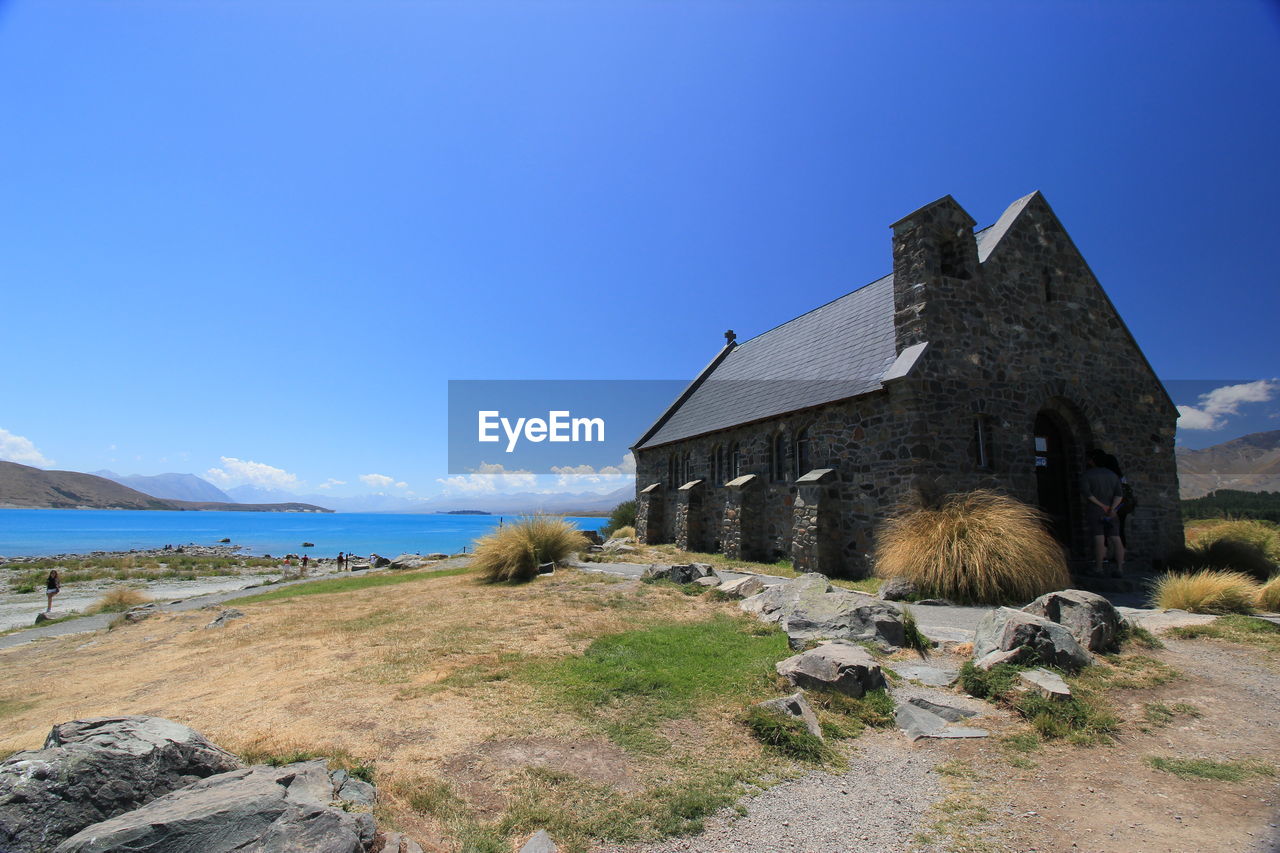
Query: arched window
[717,465]
[778,457]
[686,468]
[735,461]
[803,462]
[672,473]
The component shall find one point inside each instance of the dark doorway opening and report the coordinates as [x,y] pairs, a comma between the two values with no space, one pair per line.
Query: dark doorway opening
[1053,475]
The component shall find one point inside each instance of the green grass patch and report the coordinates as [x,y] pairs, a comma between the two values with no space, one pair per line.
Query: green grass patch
[1135,635]
[13,707]
[632,681]
[844,716]
[350,584]
[1218,771]
[1242,630]
[787,736]
[914,638]
[30,576]
[1082,719]
[339,759]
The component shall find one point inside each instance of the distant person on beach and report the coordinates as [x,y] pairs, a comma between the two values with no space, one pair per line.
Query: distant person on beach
[305,560]
[52,586]
[341,561]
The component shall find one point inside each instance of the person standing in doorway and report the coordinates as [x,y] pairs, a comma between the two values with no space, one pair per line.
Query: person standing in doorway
[1103,495]
[52,586]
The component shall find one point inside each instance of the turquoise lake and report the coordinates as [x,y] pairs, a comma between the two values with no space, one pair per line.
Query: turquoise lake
[27,532]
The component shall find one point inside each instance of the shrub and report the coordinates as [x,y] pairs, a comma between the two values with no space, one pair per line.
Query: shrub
[514,551]
[787,736]
[1228,555]
[1269,595]
[623,515]
[1207,591]
[978,547]
[118,600]
[624,532]
[1262,535]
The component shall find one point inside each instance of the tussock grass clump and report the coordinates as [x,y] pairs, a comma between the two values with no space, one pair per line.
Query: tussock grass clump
[787,736]
[627,532]
[1269,595]
[512,553]
[118,600]
[977,547]
[1208,591]
[1229,555]
[1263,535]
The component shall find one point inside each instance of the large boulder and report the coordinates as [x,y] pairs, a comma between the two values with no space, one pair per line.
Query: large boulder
[897,589]
[93,769]
[1090,618]
[836,666]
[265,809]
[742,587]
[1006,629]
[681,573]
[409,561]
[378,562]
[808,608]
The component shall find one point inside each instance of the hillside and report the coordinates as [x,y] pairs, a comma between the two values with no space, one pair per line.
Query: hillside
[1250,463]
[177,487]
[23,486]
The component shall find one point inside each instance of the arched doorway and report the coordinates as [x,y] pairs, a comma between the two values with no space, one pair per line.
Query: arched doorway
[1053,451]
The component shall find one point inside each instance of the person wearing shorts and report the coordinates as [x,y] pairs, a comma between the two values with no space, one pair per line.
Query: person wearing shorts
[52,586]
[1103,494]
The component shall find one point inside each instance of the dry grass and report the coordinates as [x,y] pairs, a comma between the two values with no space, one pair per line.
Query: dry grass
[627,532]
[413,680]
[1206,592]
[977,547]
[1269,595]
[118,599]
[514,551]
[1262,535]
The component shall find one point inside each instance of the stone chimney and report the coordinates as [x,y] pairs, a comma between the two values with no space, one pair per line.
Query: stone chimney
[935,260]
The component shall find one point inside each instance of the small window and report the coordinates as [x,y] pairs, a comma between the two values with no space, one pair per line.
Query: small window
[778,458]
[672,473]
[715,465]
[1046,284]
[686,469]
[735,461]
[982,441]
[951,257]
[803,462]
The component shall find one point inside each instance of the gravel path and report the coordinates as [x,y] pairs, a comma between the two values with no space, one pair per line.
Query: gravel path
[878,805]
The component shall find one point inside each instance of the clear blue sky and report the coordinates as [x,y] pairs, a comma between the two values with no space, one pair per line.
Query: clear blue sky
[272,231]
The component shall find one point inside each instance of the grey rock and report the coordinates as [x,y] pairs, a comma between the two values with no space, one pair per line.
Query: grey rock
[437,557]
[268,809]
[593,537]
[42,616]
[224,617]
[931,675]
[997,657]
[93,769]
[360,567]
[936,602]
[409,561]
[378,562]
[742,587]
[897,589]
[681,573]
[946,712]
[357,791]
[540,843]
[1048,684]
[1090,618]
[795,707]
[709,582]
[837,666]
[808,608]
[918,722]
[143,611]
[1006,629]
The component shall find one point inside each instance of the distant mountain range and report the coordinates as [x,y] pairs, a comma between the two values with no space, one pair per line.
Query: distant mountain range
[560,503]
[1250,463]
[24,486]
[178,487]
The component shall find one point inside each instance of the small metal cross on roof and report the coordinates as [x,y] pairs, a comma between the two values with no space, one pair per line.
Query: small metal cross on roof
[730,336]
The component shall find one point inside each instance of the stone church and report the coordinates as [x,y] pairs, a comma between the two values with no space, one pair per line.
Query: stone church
[987,359]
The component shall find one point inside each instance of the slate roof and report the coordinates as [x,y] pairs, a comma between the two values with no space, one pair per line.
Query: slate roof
[834,352]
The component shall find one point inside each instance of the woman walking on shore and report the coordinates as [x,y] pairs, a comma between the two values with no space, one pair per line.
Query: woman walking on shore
[52,586]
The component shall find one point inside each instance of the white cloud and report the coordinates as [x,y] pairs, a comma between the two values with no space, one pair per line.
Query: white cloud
[1218,404]
[330,483]
[490,478]
[587,478]
[238,472]
[16,448]
[377,481]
